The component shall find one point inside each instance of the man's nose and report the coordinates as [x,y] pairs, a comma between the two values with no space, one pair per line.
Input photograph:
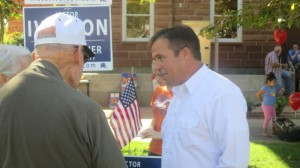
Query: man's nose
[156,65]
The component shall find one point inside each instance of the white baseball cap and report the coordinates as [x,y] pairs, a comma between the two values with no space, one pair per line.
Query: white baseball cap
[61,28]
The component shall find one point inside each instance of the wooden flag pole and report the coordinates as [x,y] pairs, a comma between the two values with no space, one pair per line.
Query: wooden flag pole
[129,149]
[131,71]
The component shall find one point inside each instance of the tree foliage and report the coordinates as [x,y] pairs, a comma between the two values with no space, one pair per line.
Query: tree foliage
[257,14]
[15,38]
[9,9]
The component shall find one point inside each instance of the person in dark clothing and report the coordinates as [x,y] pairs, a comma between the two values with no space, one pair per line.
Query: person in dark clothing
[294,63]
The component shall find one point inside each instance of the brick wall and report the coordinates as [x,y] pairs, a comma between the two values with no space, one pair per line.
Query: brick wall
[248,54]
[190,10]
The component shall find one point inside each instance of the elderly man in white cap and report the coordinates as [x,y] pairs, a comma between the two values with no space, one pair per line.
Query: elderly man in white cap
[44,120]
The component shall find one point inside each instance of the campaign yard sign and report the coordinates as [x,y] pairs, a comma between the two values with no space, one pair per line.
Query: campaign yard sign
[143,161]
[97,20]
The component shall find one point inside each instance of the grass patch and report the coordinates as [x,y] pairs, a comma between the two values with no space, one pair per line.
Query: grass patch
[279,155]
[266,155]
[136,149]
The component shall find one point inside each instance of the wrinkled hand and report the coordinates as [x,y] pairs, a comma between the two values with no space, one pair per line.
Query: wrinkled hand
[151,133]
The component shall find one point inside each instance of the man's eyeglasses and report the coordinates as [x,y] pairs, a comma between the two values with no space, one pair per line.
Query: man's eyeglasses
[86,57]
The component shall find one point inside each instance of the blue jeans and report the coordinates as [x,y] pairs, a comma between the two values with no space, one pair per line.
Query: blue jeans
[286,75]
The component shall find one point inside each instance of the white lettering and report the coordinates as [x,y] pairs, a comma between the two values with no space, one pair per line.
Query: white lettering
[75,14]
[133,164]
[96,49]
[102,27]
[30,30]
[71,13]
[89,65]
[91,26]
[36,24]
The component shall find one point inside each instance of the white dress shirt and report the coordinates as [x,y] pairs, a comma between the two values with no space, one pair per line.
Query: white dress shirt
[206,124]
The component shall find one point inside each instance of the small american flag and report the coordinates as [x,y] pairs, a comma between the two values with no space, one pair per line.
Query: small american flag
[126,120]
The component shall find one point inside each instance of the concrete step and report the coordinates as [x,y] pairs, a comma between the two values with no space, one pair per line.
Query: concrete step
[287,112]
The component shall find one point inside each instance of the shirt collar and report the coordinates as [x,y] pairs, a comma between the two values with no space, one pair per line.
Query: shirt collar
[193,82]
[47,68]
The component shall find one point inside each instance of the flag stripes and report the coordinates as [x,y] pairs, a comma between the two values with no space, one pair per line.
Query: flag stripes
[126,121]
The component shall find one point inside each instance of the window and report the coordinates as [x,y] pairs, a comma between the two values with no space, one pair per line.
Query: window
[217,8]
[137,20]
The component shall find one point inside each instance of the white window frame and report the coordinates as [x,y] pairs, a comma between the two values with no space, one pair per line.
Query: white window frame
[124,23]
[238,39]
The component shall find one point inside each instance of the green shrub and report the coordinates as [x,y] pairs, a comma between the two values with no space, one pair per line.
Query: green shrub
[251,105]
[281,102]
[15,38]
[136,148]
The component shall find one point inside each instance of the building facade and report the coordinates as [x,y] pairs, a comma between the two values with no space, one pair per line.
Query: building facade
[133,23]
[246,53]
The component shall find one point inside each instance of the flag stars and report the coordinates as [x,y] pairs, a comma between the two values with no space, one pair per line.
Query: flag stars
[129,95]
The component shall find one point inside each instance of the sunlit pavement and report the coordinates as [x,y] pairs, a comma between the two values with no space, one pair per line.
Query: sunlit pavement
[255,127]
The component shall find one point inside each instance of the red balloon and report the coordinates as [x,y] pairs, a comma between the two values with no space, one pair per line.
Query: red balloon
[294,100]
[280,36]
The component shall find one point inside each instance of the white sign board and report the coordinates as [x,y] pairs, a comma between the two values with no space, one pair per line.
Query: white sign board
[77,2]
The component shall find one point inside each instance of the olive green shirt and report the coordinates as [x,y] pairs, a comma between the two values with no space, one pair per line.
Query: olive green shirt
[45,123]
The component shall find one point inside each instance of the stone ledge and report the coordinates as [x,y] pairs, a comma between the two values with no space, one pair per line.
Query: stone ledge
[290,115]
[288,112]
[102,84]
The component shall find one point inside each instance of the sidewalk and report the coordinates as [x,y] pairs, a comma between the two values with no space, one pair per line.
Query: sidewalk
[255,126]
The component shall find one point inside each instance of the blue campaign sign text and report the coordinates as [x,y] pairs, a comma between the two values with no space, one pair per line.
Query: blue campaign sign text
[97,21]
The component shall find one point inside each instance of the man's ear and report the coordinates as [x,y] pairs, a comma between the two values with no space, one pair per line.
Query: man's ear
[33,56]
[186,52]
[77,55]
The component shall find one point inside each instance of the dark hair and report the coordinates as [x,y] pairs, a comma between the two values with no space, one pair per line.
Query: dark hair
[295,43]
[270,76]
[179,37]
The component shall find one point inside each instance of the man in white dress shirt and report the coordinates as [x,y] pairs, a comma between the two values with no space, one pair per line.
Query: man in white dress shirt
[206,123]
